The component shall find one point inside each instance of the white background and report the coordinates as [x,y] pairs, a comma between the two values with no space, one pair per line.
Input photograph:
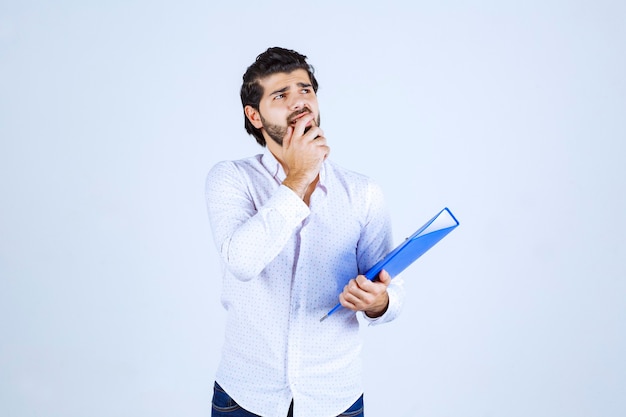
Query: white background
[511,113]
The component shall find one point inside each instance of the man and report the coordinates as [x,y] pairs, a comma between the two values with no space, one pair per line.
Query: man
[295,233]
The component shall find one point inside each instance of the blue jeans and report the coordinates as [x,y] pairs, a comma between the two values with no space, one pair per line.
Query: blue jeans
[225,406]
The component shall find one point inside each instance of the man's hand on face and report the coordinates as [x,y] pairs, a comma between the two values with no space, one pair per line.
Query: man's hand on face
[303,153]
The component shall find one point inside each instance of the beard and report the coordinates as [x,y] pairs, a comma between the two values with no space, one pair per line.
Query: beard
[278,132]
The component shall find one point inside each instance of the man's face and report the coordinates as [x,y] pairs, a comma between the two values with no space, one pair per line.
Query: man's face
[286,98]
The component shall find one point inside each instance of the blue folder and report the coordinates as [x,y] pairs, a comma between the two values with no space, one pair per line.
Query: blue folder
[412,248]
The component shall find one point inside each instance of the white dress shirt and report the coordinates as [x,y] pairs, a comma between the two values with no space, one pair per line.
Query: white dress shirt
[285,264]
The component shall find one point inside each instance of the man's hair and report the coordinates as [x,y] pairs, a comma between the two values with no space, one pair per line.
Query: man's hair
[274,60]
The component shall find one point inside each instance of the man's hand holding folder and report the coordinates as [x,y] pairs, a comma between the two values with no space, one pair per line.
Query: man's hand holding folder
[361,294]
[358,293]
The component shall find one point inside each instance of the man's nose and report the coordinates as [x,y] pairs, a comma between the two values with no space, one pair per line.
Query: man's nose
[296,102]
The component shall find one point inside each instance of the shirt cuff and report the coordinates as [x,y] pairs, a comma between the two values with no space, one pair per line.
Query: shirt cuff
[291,207]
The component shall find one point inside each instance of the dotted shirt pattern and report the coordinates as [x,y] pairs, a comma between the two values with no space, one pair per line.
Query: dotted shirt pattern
[285,264]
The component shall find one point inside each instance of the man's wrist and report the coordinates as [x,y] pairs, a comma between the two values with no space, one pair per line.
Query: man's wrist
[297,184]
[296,187]
[378,312]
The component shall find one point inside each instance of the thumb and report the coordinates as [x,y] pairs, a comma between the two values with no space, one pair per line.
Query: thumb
[384,277]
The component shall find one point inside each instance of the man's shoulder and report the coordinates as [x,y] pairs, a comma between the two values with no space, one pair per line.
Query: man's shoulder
[358,187]
[342,173]
[244,163]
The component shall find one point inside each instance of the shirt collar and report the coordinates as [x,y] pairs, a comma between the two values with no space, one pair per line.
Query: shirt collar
[272,165]
[276,170]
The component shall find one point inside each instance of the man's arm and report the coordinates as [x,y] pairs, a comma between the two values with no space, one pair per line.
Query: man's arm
[379,300]
[247,237]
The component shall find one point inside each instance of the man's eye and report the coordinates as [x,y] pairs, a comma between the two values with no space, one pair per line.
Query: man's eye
[305,91]
[278,96]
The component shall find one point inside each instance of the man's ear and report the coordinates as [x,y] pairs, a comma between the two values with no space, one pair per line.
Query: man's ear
[254,116]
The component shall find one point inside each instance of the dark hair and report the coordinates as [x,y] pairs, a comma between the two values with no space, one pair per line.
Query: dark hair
[274,60]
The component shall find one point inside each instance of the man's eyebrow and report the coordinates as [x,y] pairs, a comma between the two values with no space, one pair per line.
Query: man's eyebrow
[284,89]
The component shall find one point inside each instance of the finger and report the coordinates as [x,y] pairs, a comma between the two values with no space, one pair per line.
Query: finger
[344,302]
[314,136]
[302,123]
[364,283]
[320,132]
[350,288]
[326,150]
[353,301]
[362,300]
[354,293]
[314,133]
[288,136]
[353,286]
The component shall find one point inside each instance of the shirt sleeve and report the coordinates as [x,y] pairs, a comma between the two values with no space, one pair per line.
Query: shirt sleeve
[376,242]
[247,237]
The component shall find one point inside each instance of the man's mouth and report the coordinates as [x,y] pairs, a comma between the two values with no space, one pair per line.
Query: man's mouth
[294,119]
